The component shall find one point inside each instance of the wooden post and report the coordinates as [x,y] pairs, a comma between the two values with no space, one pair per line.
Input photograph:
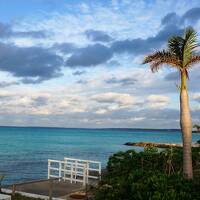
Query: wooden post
[13,189]
[50,188]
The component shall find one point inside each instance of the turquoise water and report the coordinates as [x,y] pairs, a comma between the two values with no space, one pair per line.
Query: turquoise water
[24,151]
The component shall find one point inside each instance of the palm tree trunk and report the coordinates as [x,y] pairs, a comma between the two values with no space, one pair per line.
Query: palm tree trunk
[186,127]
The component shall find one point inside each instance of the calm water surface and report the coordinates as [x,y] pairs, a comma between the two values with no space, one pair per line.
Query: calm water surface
[24,151]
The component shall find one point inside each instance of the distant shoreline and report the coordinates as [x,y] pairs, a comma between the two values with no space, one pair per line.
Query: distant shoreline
[149,129]
[195,132]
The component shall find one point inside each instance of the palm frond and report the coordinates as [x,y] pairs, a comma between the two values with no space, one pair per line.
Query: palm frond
[190,44]
[169,60]
[151,57]
[175,46]
[155,56]
[193,60]
[160,58]
[179,54]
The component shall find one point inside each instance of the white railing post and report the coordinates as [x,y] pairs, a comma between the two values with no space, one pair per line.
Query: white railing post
[87,172]
[71,178]
[99,171]
[75,170]
[59,171]
[65,168]
[49,170]
[84,174]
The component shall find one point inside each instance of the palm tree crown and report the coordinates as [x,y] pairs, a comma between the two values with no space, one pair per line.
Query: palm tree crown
[181,53]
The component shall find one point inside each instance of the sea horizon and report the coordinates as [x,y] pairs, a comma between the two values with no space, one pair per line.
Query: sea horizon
[90,128]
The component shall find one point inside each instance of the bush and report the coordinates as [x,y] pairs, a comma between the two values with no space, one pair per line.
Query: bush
[148,175]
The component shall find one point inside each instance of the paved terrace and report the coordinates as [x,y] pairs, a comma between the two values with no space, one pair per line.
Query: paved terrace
[57,189]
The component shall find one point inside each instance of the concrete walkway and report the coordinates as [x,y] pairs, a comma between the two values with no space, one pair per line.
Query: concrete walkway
[59,188]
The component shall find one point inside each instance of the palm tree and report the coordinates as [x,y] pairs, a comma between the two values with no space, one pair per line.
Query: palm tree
[181,55]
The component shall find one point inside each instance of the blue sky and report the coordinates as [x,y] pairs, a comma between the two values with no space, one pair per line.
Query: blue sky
[78,63]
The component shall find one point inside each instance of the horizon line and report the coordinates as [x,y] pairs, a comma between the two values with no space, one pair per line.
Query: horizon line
[56,127]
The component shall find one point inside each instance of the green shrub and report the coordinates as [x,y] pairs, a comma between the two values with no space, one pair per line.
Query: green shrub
[150,175]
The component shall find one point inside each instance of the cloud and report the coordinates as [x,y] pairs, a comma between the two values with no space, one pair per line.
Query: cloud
[170,18]
[6,31]
[121,81]
[196,97]
[192,15]
[40,101]
[4,84]
[157,101]
[89,56]
[64,47]
[33,80]
[172,24]
[115,100]
[30,63]
[140,46]
[98,36]
[173,76]
[82,82]
[79,72]
[5,94]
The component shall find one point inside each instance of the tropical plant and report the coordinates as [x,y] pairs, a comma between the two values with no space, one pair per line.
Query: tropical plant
[197,127]
[2,176]
[181,55]
[148,174]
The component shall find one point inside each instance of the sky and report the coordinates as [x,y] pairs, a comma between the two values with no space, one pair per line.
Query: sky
[77,63]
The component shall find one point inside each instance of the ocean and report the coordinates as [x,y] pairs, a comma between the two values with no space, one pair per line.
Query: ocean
[24,151]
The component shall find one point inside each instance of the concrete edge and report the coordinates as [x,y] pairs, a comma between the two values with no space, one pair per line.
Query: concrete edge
[8,191]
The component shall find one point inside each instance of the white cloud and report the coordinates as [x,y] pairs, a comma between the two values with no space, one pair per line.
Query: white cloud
[92,101]
[122,100]
[110,101]
[196,97]
[157,101]
[135,119]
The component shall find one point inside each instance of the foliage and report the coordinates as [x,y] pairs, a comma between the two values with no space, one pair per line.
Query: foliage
[196,126]
[2,176]
[180,53]
[150,174]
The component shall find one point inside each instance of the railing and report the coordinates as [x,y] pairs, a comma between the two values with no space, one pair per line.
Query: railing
[93,168]
[74,170]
